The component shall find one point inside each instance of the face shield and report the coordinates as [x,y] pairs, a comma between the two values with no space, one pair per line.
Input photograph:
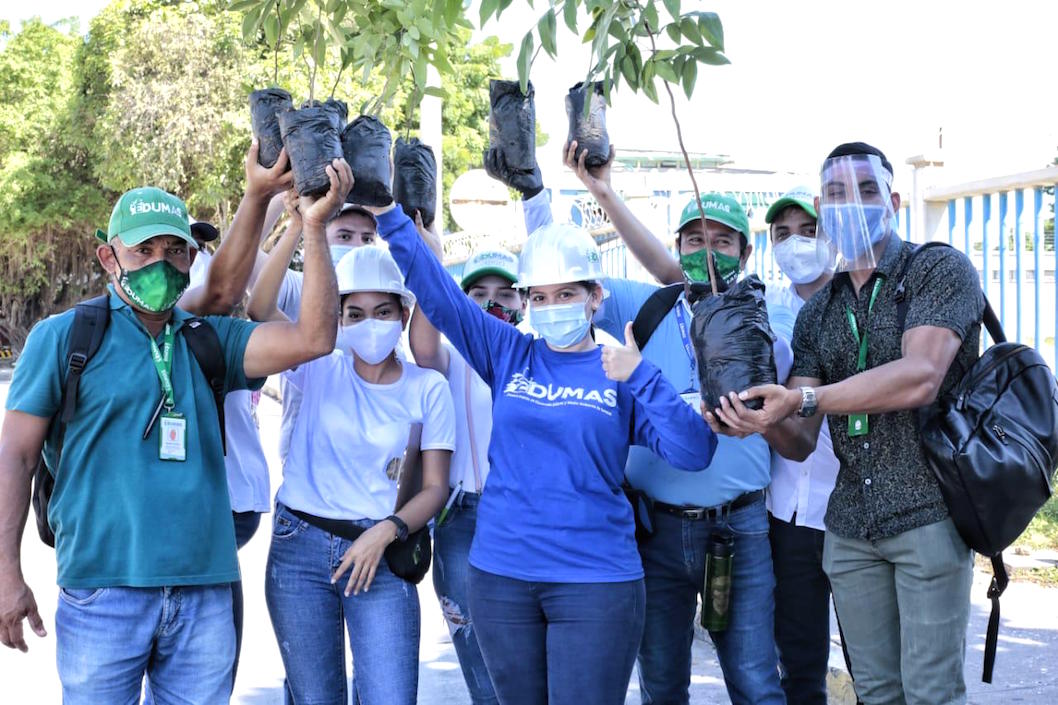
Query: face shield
[855,210]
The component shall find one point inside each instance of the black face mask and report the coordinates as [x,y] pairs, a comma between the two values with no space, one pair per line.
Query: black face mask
[510,315]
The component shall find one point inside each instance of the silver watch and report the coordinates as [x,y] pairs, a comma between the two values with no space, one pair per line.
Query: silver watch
[808,403]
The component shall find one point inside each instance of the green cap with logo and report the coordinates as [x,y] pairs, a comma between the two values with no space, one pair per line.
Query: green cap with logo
[147,212]
[801,196]
[490,261]
[720,208]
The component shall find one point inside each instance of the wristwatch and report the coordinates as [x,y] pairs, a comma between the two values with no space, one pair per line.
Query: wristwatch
[808,403]
[402,528]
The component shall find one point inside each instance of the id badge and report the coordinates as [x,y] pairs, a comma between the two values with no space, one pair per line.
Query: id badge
[857,425]
[172,444]
[694,399]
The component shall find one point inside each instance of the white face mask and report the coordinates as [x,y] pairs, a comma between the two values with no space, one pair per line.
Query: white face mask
[372,340]
[339,251]
[801,259]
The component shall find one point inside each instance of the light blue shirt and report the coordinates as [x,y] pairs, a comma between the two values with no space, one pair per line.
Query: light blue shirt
[739,465]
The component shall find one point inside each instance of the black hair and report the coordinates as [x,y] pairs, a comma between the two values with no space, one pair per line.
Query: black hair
[860,149]
[341,299]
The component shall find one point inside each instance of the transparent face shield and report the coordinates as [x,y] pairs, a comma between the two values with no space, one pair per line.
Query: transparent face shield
[855,211]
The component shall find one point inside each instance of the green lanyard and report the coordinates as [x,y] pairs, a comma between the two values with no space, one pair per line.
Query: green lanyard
[861,362]
[163,363]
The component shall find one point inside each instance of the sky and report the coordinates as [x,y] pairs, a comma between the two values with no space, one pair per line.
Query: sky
[805,76]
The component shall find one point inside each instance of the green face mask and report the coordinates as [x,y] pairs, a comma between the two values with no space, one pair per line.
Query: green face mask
[696,267]
[156,287]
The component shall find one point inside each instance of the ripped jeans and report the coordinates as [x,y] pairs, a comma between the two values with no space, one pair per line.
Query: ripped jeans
[451,548]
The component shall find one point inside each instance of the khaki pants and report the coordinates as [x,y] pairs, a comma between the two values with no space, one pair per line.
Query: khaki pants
[904,604]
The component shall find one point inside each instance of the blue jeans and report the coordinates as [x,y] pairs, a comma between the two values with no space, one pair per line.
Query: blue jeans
[451,547]
[557,642]
[182,638]
[674,562]
[802,611]
[904,603]
[307,614]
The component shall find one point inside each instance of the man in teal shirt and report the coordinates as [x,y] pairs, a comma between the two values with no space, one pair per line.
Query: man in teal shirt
[142,521]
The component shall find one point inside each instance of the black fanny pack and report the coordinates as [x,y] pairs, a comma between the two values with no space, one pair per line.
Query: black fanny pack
[409,560]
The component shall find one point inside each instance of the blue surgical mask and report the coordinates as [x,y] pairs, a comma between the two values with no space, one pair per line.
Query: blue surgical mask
[339,251]
[561,325]
[854,227]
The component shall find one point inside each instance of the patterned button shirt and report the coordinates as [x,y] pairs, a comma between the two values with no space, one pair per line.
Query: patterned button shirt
[885,485]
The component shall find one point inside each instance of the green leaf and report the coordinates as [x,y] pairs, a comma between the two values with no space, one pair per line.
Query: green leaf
[628,70]
[650,16]
[673,6]
[271,28]
[249,24]
[504,4]
[453,8]
[435,92]
[647,82]
[240,5]
[673,30]
[689,29]
[712,57]
[569,14]
[525,57]
[487,8]
[712,30]
[690,74]
[419,71]
[413,32]
[665,70]
[547,27]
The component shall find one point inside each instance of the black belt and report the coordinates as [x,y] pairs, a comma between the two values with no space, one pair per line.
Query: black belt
[711,513]
[341,528]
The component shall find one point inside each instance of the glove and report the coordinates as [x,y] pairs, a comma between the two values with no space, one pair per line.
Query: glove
[528,183]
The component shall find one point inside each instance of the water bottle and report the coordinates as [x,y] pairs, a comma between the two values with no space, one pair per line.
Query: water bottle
[716,593]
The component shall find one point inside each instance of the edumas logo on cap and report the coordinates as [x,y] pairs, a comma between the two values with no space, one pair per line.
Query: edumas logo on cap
[147,212]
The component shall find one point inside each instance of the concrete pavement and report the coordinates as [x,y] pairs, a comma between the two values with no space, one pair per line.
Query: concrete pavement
[1026,668]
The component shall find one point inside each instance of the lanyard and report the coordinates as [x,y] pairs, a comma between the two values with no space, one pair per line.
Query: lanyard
[685,334]
[861,362]
[163,363]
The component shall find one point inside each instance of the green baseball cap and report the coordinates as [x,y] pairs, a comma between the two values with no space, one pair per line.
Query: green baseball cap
[146,212]
[801,196]
[491,261]
[719,208]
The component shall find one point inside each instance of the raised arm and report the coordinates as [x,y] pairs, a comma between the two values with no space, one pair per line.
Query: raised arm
[645,247]
[265,293]
[480,338]
[235,259]
[425,340]
[280,345]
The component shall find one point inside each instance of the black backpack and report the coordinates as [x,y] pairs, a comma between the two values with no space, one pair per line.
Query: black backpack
[653,310]
[86,334]
[992,443]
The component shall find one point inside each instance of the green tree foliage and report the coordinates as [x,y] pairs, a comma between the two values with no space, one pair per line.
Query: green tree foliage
[157,92]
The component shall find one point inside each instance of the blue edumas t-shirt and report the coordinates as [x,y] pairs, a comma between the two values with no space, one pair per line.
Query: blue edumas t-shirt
[121,516]
[553,509]
[740,465]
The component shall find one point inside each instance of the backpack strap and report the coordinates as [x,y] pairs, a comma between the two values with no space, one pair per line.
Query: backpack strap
[999,584]
[90,321]
[653,310]
[990,319]
[205,346]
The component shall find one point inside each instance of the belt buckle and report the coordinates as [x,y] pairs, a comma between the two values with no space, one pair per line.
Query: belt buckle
[697,513]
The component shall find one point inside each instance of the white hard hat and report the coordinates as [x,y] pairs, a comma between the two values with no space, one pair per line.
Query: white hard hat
[558,253]
[371,269]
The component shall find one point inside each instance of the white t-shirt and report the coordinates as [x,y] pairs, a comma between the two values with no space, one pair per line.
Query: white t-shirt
[289,302]
[472,400]
[802,488]
[245,462]
[350,435]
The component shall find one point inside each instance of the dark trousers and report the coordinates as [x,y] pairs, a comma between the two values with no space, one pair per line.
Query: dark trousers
[557,642]
[246,524]
[802,611]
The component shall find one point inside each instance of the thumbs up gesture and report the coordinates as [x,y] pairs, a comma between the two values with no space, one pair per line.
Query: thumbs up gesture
[620,362]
